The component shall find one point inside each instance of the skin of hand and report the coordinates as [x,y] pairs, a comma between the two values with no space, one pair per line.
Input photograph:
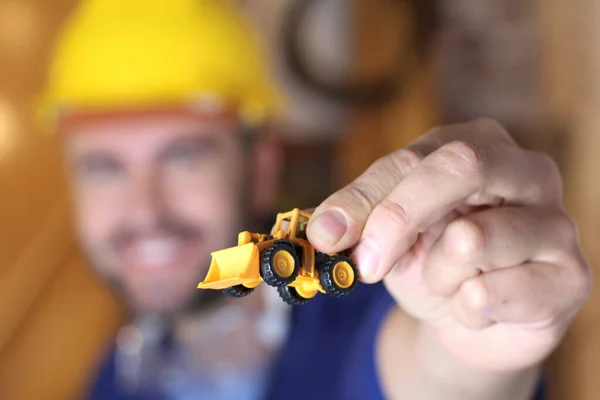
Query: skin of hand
[469,233]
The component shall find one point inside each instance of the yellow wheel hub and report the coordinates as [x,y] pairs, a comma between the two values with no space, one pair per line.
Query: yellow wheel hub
[343,274]
[283,263]
[306,293]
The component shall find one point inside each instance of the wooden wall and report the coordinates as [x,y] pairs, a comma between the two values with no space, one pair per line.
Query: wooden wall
[383,30]
[55,317]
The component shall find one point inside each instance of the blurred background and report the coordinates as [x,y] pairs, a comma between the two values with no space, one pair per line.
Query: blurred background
[362,77]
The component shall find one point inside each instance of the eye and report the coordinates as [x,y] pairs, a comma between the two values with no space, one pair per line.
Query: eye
[188,154]
[98,169]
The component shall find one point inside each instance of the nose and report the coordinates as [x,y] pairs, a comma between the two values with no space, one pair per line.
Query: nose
[145,203]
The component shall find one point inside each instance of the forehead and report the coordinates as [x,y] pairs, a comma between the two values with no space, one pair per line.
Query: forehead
[141,133]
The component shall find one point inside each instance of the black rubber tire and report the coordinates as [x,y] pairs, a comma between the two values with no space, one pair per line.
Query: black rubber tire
[290,296]
[238,291]
[267,271]
[326,277]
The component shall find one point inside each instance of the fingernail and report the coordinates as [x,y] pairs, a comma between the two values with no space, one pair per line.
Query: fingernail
[366,256]
[330,226]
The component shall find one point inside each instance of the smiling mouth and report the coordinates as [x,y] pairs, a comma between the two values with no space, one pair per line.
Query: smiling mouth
[158,254]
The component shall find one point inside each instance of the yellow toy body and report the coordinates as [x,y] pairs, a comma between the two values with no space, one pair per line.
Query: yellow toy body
[284,259]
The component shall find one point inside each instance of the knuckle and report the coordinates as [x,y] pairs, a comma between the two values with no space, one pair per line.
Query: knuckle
[381,164]
[533,190]
[565,228]
[582,279]
[474,297]
[464,238]
[546,184]
[405,160]
[463,158]
[363,196]
[570,228]
[379,179]
[551,175]
[387,168]
[549,165]
[490,126]
[395,212]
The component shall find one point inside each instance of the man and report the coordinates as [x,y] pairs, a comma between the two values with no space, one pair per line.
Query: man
[472,268]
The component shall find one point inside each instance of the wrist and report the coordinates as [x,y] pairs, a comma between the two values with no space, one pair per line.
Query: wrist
[461,374]
[414,363]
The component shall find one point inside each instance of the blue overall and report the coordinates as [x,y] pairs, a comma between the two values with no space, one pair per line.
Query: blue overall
[328,353]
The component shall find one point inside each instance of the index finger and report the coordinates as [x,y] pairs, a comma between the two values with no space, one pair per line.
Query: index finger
[448,176]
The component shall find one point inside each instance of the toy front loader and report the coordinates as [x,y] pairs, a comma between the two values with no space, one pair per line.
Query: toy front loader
[284,259]
[238,266]
[237,269]
[232,267]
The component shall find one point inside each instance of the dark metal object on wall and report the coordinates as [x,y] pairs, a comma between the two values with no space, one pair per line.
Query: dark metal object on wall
[370,94]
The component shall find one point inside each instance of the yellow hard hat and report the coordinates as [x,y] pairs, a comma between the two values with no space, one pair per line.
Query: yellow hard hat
[130,54]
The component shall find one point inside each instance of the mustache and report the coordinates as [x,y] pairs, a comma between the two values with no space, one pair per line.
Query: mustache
[173,226]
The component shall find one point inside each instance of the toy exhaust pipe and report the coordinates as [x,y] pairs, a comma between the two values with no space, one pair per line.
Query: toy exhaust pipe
[233,266]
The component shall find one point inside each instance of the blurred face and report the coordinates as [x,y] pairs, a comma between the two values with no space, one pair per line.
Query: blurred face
[153,196]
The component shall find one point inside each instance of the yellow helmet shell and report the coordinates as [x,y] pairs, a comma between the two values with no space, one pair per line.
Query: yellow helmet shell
[120,54]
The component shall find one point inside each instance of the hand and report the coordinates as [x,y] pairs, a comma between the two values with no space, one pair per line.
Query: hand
[469,233]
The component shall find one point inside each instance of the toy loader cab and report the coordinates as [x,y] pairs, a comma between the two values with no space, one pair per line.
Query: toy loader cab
[283,259]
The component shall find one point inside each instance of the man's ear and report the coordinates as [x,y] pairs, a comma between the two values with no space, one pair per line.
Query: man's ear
[267,160]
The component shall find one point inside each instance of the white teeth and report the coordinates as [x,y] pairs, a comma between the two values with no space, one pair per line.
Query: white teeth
[156,252]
